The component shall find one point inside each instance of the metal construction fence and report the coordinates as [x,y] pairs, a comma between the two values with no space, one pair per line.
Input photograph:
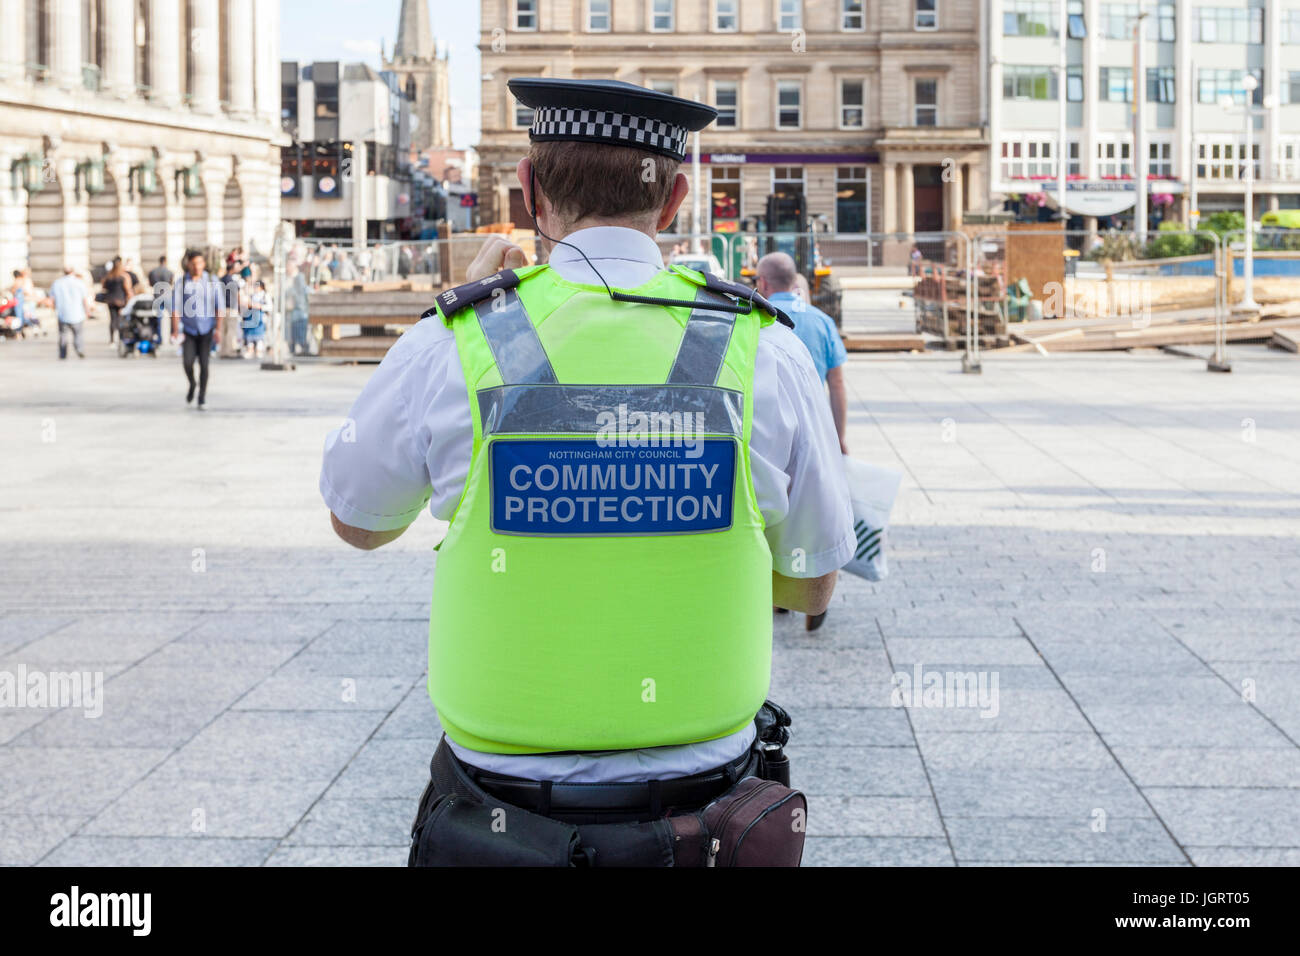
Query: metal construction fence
[968,291]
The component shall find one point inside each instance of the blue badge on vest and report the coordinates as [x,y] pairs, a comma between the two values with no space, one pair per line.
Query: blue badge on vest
[579,487]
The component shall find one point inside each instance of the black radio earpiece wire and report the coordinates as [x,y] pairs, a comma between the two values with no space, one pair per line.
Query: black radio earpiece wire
[627,296]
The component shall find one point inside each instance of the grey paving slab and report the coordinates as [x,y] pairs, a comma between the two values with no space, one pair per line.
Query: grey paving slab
[338,856]
[414,717]
[1230,816]
[1039,750]
[396,767]
[26,837]
[71,781]
[318,692]
[174,806]
[1037,792]
[348,821]
[873,816]
[159,851]
[1211,766]
[1244,856]
[876,851]
[1061,840]
[857,771]
[261,745]
[836,726]
[230,690]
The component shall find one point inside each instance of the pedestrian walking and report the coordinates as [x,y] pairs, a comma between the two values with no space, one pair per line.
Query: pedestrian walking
[197,311]
[254,323]
[117,290]
[160,275]
[297,303]
[778,282]
[72,303]
[730,415]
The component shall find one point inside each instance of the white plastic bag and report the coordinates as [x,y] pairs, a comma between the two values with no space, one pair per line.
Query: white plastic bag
[872,488]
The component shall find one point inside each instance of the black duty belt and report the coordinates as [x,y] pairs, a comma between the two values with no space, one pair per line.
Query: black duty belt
[650,797]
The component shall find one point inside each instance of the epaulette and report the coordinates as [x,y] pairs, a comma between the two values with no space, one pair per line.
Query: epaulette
[738,290]
[463,296]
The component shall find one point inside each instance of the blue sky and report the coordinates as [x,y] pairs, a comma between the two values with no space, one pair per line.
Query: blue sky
[351,30]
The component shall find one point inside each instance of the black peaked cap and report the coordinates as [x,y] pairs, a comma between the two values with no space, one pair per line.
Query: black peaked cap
[610,112]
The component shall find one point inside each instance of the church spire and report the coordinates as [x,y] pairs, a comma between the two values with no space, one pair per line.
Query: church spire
[414,35]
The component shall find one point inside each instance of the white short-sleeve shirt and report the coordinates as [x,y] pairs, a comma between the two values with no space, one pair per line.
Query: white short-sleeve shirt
[408,439]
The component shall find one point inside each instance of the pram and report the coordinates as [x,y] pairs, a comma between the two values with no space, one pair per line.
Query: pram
[139,326]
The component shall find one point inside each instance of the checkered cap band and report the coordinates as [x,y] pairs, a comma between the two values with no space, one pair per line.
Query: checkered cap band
[619,129]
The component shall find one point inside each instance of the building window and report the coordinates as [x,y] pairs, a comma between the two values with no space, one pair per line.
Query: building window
[1024,158]
[789,15]
[1029,18]
[853,104]
[927,14]
[663,86]
[1118,20]
[1229,25]
[726,99]
[1288,160]
[289,99]
[1161,87]
[1166,27]
[525,14]
[724,197]
[1160,160]
[1075,167]
[1214,85]
[789,100]
[1291,25]
[926,96]
[1074,84]
[1291,88]
[661,16]
[1224,159]
[1029,83]
[598,16]
[1116,84]
[726,16]
[141,40]
[851,199]
[852,16]
[1077,29]
[787,181]
[1114,160]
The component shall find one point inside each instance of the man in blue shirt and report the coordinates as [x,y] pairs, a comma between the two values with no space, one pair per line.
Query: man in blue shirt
[197,306]
[777,282]
[71,303]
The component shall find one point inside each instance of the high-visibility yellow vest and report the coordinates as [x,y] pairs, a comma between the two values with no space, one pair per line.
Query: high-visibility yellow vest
[605,583]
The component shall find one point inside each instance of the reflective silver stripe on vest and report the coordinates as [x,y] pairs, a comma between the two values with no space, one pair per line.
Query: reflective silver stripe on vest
[513,340]
[576,409]
[704,343]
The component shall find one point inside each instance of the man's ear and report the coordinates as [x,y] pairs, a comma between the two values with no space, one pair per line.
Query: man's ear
[524,170]
[681,186]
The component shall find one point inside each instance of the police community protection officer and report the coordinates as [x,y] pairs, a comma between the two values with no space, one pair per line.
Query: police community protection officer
[636,462]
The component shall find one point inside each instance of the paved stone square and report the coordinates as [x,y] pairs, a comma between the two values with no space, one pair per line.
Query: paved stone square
[1112,538]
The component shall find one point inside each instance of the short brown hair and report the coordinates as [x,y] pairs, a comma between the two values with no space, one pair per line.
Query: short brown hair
[589,179]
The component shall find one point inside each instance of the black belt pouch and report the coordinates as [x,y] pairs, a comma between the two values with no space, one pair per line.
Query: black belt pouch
[459,832]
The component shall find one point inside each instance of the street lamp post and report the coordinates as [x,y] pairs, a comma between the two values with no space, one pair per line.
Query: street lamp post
[1062,146]
[1249,84]
[1139,137]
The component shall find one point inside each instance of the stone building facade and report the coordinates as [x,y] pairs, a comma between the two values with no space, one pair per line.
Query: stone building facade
[871,112]
[136,127]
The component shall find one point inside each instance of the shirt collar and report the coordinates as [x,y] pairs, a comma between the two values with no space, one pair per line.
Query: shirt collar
[609,242]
